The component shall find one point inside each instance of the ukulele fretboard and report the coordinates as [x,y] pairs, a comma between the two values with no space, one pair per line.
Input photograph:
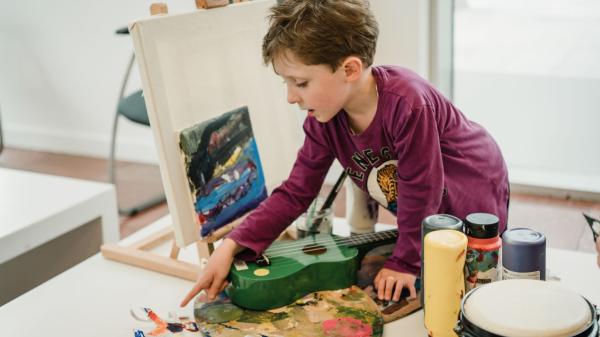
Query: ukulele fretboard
[368,238]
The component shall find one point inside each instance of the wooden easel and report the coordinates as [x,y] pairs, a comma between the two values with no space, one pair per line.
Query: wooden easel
[139,254]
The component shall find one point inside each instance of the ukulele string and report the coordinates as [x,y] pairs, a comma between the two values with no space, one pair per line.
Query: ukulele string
[327,242]
[293,247]
[349,239]
[292,255]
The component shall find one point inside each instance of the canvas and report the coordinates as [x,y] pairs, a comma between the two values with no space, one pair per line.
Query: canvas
[195,67]
[223,169]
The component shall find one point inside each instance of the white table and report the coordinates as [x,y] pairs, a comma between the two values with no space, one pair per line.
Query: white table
[94,297]
[48,223]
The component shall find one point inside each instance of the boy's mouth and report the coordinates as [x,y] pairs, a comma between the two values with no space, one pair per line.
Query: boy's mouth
[311,112]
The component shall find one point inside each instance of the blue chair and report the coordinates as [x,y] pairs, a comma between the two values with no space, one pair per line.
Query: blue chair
[133,108]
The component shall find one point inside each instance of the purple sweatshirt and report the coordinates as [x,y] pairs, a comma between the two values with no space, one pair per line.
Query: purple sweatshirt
[419,156]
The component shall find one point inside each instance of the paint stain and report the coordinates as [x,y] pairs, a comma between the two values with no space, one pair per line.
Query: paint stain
[163,326]
[217,313]
[354,296]
[363,315]
[346,327]
[374,320]
[259,317]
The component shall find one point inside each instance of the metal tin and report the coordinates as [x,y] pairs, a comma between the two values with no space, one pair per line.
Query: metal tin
[523,254]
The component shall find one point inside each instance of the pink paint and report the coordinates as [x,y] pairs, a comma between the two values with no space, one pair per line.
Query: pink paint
[346,327]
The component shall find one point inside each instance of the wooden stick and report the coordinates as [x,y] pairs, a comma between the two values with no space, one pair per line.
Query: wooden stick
[151,261]
[174,250]
[154,240]
[211,3]
[204,250]
[221,232]
[159,8]
[138,255]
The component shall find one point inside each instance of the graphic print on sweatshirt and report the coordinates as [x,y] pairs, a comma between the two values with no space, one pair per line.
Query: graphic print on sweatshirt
[382,184]
[377,172]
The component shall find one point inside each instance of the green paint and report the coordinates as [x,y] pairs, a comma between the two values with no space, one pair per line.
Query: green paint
[372,318]
[217,313]
[258,317]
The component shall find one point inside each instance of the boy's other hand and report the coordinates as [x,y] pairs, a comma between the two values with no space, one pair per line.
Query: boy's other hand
[214,275]
[389,284]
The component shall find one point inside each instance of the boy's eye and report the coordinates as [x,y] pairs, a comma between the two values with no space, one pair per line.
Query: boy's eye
[302,84]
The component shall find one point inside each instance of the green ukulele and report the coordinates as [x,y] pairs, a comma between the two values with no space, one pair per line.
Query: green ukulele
[293,269]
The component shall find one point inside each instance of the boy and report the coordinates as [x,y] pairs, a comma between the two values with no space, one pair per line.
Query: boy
[396,136]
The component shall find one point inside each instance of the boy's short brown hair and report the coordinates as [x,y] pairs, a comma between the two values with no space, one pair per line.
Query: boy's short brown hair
[321,31]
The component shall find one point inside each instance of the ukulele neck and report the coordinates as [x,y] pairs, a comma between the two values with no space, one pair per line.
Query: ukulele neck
[367,241]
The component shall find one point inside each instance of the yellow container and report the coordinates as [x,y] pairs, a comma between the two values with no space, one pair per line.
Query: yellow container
[444,282]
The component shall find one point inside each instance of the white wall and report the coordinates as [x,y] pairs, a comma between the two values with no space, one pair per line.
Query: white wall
[529,72]
[61,67]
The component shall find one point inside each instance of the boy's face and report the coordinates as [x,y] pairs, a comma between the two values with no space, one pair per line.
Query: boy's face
[315,88]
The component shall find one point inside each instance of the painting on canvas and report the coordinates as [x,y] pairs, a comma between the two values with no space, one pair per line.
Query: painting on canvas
[223,169]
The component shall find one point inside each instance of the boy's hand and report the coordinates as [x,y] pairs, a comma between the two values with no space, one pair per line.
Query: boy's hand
[388,281]
[214,275]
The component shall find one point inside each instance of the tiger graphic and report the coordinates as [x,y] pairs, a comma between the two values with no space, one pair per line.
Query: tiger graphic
[382,184]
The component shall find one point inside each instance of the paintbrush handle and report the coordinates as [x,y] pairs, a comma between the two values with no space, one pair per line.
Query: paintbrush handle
[329,201]
[334,191]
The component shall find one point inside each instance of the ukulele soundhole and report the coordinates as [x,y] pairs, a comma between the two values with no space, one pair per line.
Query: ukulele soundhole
[313,249]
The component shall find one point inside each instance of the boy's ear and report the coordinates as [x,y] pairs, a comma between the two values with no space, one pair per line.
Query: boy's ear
[353,68]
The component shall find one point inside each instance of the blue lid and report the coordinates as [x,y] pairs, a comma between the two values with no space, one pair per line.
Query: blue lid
[524,250]
[523,237]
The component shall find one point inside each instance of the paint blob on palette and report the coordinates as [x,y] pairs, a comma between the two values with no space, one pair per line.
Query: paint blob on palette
[348,312]
[223,169]
[175,325]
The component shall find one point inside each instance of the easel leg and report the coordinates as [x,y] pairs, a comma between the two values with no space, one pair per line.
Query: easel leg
[205,249]
[174,250]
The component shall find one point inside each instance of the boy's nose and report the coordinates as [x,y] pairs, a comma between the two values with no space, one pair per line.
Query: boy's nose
[292,98]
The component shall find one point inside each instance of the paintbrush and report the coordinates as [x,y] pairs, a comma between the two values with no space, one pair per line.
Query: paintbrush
[328,201]
[309,215]
[594,225]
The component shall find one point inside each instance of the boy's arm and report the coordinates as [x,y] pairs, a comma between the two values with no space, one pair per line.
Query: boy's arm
[419,185]
[290,199]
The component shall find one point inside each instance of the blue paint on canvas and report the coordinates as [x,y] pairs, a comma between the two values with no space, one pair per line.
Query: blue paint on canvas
[233,198]
[223,168]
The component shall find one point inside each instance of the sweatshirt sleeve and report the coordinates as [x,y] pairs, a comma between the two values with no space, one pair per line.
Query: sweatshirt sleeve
[289,200]
[419,182]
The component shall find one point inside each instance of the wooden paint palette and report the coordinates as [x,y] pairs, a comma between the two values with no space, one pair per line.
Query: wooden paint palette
[346,312]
